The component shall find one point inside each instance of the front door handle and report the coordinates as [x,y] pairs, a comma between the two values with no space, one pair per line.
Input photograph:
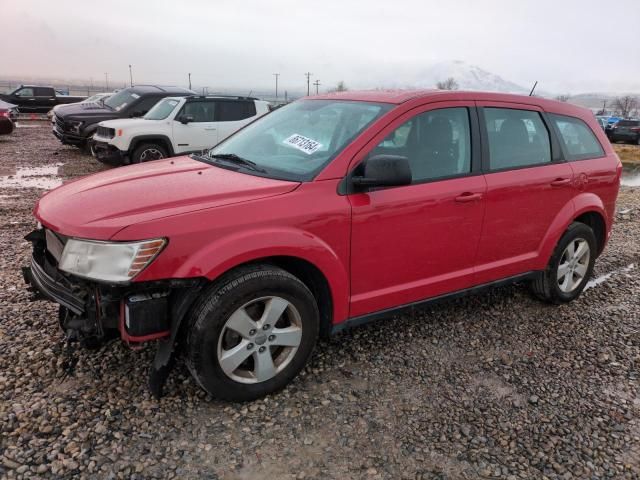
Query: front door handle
[210,129]
[468,197]
[560,182]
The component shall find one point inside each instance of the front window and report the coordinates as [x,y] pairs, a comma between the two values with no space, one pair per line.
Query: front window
[121,99]
[162,109]
[295,142]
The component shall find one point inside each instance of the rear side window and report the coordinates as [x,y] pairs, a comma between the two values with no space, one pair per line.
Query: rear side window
[629,123]
[233,110]
[517,138]
[43,92]
[200,111]
[578,139]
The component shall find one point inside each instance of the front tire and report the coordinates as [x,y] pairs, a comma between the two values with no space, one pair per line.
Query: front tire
[570,266]
[147,152]
[251,333]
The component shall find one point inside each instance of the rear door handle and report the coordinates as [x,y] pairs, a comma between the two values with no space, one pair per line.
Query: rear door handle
[468,197]
[560,182]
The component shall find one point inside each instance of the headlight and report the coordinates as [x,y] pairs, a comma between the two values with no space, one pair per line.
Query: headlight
[106,261]
[75,126]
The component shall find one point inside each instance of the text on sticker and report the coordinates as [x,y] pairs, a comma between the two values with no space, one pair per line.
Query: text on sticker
[302,143]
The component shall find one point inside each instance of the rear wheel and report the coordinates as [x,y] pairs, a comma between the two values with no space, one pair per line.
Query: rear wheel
[147,152]
[251,333]
[570,266]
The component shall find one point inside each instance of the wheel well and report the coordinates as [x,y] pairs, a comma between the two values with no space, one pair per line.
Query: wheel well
[315,281]
[136,142]
[596,222]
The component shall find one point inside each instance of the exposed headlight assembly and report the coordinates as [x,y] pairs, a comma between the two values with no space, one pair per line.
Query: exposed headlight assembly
[75,126]
[109,261]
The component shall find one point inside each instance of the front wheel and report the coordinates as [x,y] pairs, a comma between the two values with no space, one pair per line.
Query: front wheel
[251,333]
[147,152]
[570,266]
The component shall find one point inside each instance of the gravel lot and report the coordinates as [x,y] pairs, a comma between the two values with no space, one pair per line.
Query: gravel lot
[494,386]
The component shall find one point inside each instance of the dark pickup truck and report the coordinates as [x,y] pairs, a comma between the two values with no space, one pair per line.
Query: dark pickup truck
[76,124]
[37,99]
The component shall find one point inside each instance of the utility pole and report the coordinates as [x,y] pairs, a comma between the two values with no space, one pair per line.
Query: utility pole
[317,84]
[106,81]
[189,81]
[308,75]
[276,75]
[130,76]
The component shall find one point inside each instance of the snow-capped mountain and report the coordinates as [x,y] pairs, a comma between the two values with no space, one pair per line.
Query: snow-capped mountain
[468,77]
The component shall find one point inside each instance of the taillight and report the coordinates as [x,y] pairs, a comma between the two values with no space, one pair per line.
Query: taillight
[635,129]
[5,114]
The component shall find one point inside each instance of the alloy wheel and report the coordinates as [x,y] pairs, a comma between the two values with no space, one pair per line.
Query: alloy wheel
[259,339]
[151,154]
[573,265]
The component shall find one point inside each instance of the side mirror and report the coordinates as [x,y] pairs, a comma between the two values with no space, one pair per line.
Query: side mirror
[184,119]
[384,171]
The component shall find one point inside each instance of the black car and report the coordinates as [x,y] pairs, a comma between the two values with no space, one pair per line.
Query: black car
[76,124]
[626,131]
[38,99]
[8,117]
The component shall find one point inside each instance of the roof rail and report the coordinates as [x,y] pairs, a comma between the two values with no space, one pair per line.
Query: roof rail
[237,97]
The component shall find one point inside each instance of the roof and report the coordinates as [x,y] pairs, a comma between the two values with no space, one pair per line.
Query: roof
[157,89]
[401,96]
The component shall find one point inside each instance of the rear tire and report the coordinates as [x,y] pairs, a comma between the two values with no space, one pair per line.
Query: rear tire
[146,152]
[251,333]
[569,268]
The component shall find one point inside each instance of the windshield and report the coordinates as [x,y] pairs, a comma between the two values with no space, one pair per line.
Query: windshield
[121,99]
[162,109]
[296,141]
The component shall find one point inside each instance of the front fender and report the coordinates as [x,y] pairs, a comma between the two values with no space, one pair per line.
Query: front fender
[223,255]
[582,203]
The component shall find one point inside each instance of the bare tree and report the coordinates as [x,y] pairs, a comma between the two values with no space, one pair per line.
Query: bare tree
[625,105]
[448,84]
[340,87]
[563,98]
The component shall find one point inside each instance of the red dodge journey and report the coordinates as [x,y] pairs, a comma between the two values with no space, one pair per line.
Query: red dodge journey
[327,213]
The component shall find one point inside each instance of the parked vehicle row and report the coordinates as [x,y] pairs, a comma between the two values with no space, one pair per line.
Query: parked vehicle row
[76,124]
[38,99]
[625,131]
[327,213]
[175,125]
[8,117]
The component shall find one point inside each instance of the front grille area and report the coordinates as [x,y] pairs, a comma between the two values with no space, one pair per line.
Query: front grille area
[59,123]
[106,132]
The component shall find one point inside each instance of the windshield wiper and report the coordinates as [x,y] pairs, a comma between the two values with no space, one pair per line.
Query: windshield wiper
[233,158]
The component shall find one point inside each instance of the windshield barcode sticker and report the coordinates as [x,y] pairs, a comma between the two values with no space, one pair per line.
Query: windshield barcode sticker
[302,143]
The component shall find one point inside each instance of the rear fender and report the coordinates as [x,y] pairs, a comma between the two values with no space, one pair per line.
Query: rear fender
[582,203]
[235,250]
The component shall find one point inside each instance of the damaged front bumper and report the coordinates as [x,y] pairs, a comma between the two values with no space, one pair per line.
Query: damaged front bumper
[92,312]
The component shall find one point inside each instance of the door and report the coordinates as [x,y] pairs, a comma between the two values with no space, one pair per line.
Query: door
[45,98]
[527,186]
[24,98]
[418,241]
[200,132]
[232,115]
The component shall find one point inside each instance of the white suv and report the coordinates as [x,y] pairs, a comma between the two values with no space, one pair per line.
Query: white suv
[174,126]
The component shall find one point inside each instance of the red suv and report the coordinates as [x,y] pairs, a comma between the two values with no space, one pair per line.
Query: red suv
[327,213]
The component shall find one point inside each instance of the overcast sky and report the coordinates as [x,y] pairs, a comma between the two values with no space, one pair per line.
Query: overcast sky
[567,45]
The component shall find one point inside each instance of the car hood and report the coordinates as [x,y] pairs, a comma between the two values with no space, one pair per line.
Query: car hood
[83,111]
[128,122]
[100,205]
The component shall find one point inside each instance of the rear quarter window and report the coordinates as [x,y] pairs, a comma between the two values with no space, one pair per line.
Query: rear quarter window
[579,141]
